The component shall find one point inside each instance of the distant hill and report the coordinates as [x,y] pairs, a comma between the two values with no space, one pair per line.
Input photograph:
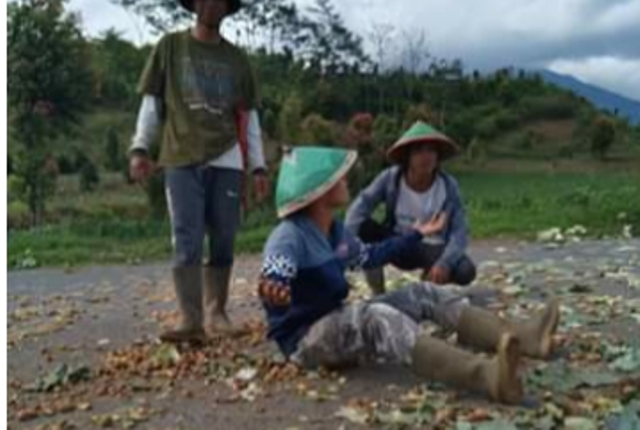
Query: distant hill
[603,99]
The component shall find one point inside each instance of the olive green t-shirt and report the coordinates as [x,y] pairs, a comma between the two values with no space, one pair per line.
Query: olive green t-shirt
[202,86]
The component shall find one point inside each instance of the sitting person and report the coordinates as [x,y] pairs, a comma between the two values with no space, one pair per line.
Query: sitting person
[303,289]
[416,188]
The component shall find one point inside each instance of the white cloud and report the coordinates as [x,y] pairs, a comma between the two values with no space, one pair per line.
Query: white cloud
[101,15]
[621,75]
[596,40]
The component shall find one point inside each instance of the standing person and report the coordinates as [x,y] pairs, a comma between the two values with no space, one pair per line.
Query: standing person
[199,91]
[414,189]
[304,290]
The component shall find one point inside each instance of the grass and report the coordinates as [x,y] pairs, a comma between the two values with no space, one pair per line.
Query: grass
[113,226]
[521,204]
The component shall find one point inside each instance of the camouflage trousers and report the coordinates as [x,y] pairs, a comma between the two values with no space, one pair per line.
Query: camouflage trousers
[385,327]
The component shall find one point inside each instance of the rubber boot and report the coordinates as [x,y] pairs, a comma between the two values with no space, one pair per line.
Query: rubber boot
[375,280]
[482,329]
[216,296]
[187,283]
[496,377]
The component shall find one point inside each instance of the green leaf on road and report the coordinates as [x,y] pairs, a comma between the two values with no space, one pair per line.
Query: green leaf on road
[60,376]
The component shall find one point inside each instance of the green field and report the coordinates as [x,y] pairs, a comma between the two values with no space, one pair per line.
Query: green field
[112,225]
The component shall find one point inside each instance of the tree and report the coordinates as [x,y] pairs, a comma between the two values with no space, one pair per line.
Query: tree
[385,131]
[381,37]
[48,86]
[162,15]
[415,51]
[317,36]
[414,54]
[290,119]
[89,177]
[116,64]
[602,136]
[112,149]
[316,130]
[359,132]
[333,46]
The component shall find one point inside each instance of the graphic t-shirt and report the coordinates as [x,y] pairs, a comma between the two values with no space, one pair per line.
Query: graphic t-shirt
[202,86]
[413,206]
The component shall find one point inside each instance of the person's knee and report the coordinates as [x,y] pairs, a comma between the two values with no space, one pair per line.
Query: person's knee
[219,260]
[221,254]
[221,250]
[381,320]
[187,250]
[465,272]
[389,333]
[186,259]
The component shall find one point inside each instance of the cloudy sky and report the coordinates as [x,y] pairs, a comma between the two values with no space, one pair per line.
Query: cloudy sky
[597,41]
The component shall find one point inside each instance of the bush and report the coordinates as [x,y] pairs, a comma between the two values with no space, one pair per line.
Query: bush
[602,136]
[18,215]
[528,140]
[156,195]
[66,164]
[567,150]
[549,107]
[89,177]
[487,128]
[506,120]
[112,150]
[461,131]
[421,112]
[15,186]
[385,131]
[289,120]
[269,122]
[317,130]
[359,132]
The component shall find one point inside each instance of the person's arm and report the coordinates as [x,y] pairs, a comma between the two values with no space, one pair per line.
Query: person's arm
[279,269]
[256,144]
[151,86]
[457,238]
[147,126]
[371,255]
[253,147]
[365,204]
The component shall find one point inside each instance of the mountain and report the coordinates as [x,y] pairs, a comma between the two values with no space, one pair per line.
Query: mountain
[603,99]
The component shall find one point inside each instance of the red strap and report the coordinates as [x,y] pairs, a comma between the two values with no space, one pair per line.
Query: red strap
[242,126]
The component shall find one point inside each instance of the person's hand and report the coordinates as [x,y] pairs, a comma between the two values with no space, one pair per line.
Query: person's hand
[261,185]
[434,225]
[273,292]
[438,275]
[140,167]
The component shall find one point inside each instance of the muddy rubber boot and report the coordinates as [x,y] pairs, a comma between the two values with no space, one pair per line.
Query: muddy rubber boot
[482,329]
[375,280]
[188,287]
[496,377]
[216,295]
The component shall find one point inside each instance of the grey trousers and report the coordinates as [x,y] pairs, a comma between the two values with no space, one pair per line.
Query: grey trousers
[203,199]
[384,327]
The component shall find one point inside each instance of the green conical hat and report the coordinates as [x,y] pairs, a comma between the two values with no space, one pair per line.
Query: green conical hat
[306,173]
[421,132]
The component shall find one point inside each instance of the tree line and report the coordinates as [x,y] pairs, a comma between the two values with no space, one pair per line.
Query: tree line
[335,91]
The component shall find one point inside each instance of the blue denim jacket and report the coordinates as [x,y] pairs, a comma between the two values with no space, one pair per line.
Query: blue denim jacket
[385,189]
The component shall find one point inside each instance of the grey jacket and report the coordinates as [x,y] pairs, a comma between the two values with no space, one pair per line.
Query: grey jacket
[386,187]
